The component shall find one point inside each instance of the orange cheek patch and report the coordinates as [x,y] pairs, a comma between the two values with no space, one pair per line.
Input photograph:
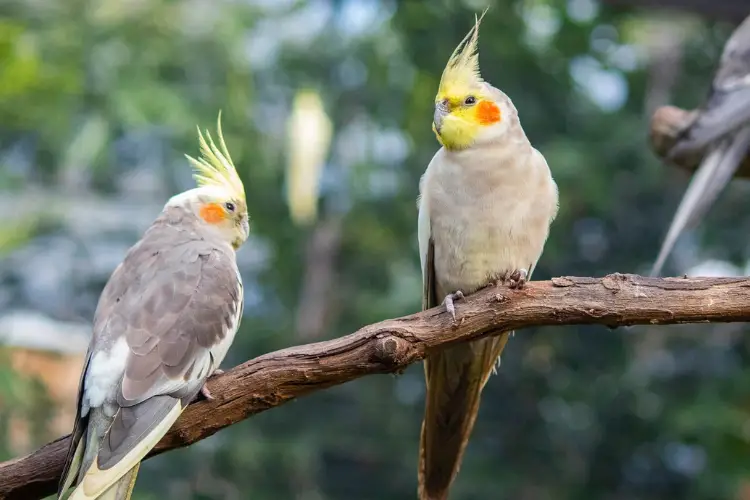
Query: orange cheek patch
[212,213]
[488,113]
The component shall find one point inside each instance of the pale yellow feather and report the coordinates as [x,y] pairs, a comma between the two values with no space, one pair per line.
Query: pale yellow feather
[215,167]
[97,481]
[463,66]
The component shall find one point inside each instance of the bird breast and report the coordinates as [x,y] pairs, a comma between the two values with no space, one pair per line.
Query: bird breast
[488,219]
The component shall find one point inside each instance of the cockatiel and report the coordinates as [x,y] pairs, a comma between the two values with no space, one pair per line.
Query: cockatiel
[486,203]
[721,129]
[164,323]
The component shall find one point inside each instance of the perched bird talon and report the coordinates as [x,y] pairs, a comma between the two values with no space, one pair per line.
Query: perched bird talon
[449,302]
[518,278]
[206,393]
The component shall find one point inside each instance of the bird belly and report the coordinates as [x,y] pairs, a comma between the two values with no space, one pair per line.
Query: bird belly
[475,247]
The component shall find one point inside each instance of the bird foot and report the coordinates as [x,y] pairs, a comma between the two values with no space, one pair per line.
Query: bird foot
[206,393]
[204,390]
[449,299]
[517,278]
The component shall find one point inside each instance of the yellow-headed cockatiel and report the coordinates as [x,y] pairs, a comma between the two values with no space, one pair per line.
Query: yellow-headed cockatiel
[164,323]
[486,203]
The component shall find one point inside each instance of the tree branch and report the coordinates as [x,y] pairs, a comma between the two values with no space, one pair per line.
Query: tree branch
[390,346]
[666,125]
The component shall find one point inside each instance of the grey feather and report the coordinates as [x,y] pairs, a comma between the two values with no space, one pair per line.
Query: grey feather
[711,178]
[728,104]
[429,286]
[77,446]
[720,130]
[725,112]
[174,298]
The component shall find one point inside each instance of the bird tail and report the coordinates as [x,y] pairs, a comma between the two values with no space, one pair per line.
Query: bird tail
[455,379]
[712,176]
[88,433]
[123,488]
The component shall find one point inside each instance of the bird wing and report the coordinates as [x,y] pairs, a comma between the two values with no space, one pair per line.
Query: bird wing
[721,129]
[712,176]
[726,110]
[76,448]
[174,299]
[426,255]
[728,105]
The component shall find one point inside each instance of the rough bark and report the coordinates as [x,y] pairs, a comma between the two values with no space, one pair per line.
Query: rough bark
[667,123]
[390,346]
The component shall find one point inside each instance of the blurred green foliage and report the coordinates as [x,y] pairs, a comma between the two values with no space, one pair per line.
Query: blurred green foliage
[575,412]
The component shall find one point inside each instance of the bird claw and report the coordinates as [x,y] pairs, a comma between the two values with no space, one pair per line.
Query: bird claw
[449,299]
[204,390]
[517,278]
[206,393]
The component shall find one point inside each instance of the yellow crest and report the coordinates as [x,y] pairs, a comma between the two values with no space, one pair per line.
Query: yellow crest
[215,167]
[463,66]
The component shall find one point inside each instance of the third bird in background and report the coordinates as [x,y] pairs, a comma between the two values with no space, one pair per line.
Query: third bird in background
[721,128]
[486,203]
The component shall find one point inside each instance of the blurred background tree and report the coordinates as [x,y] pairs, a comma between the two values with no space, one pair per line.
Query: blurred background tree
[327,106]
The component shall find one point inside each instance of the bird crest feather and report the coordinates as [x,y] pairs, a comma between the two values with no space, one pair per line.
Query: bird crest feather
[463,66]
[215,166]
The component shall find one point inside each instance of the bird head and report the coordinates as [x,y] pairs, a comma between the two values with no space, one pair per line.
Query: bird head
[219,199]
[468,111]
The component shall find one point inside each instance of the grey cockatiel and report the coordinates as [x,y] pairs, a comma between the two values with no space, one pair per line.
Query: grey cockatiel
[722,128]
[163,324]
[486,203]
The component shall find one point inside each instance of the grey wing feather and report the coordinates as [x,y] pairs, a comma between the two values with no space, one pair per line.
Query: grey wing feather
[735,58]
[728,104]
[130,425]
[175,296]
[724,113]
[720,127]
[709,181]
[75,450]
[429,292]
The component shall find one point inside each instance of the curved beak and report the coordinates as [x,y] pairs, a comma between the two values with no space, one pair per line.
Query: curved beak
[441,110]
[245,227]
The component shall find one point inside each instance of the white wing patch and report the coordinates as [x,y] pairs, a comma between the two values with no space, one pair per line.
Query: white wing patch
[103,376]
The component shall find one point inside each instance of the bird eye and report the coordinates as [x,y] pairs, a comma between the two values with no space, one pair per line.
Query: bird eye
[229,206]
[470,100]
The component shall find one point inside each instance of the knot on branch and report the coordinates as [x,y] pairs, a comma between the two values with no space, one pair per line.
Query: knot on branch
[613,282]
[392,351]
